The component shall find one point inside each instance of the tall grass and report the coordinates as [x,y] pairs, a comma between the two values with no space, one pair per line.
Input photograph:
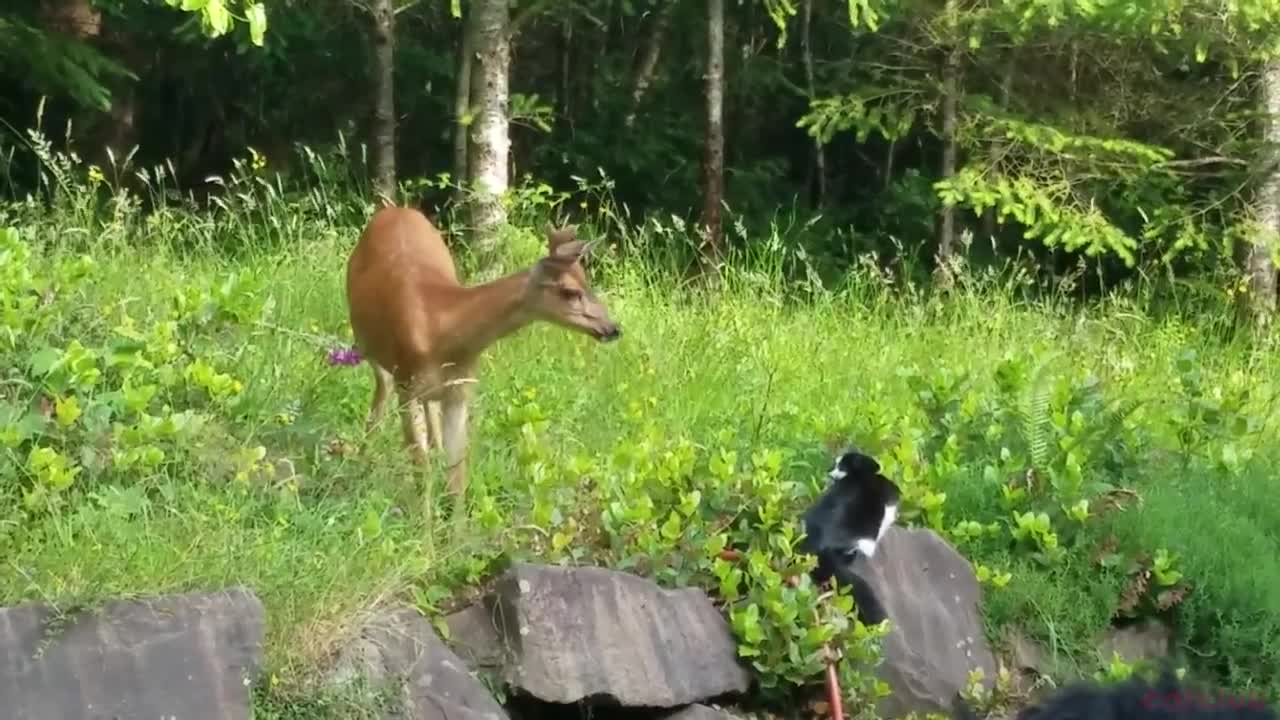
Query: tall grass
[747,388]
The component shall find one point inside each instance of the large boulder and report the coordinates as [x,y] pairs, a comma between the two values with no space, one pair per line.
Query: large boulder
[192,656]
[397,647]
[574,634]
[932,598]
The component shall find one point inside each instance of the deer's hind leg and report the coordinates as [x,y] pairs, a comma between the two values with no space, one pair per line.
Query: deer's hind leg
[382,382]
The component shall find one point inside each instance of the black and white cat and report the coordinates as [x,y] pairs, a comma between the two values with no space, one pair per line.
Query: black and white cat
[848,520]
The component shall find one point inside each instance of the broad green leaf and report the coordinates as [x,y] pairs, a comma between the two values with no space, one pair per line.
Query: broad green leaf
[67,410]
[257,23]
[43,361]
[215,13]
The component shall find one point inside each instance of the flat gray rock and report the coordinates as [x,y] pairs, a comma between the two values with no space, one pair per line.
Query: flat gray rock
[590,633]
[932,598]
[398,646]
[192,656]
[474,635]
[1025,658]
[699,712]
[1142,641]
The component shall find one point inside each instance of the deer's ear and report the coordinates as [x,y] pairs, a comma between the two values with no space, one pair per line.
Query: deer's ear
[559,236]
[558,261]
[569,251]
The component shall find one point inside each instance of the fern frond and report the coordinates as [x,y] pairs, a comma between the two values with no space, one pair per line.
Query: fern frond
[1035,424]
[1034,414]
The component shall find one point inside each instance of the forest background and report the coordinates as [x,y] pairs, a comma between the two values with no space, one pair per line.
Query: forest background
[1023,250]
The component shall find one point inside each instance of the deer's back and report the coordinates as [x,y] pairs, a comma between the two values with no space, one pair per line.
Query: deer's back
[398,260]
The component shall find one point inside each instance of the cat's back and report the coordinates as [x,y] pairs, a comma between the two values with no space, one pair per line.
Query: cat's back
[875,496]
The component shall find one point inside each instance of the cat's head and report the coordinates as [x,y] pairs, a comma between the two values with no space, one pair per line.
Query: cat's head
[853,465]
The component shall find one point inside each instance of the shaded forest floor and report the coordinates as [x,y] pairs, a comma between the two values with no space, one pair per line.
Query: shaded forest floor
[191,434]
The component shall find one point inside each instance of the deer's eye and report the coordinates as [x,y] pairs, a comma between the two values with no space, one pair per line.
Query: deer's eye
[570,293]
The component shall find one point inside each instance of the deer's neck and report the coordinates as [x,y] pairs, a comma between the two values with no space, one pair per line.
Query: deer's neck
[483,314]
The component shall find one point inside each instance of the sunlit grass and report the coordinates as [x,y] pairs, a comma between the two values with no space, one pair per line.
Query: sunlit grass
[760,365]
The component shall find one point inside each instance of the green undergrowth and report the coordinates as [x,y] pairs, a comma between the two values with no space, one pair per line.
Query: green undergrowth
[169,422]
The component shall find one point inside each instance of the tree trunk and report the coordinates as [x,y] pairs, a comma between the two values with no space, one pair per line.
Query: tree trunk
[1259,265]
[998,147]
[648,65]
[119,130]
[713,163]
[566,70]
[76,18]
[109,137]
[384,108]
[461,110]
[490,131]
[819,151]
[114,137]
[947,228]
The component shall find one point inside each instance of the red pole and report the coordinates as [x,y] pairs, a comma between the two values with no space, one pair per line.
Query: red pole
[833,688]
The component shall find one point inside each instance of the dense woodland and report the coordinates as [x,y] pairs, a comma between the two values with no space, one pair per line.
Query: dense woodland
[1023,252]
[1119,135]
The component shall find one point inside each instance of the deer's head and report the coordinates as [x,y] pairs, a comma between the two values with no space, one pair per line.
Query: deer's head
[559,291]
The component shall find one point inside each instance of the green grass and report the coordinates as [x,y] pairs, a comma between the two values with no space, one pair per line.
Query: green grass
[735,396]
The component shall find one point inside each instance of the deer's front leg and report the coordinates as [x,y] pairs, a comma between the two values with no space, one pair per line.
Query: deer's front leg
[413,420]
[435,434]
[432,403]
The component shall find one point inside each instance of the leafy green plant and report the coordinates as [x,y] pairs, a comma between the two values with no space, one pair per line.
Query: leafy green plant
[688,518]
[987,576]
[114,406]
[1035,530]
[1212,421]
[1154,585]
[144,429]
[994,701]
[1116,670]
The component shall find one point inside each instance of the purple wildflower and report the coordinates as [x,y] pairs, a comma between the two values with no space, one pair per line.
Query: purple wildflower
[349,356]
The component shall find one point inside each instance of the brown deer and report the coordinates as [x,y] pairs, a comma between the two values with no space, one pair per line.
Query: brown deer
[422,331]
